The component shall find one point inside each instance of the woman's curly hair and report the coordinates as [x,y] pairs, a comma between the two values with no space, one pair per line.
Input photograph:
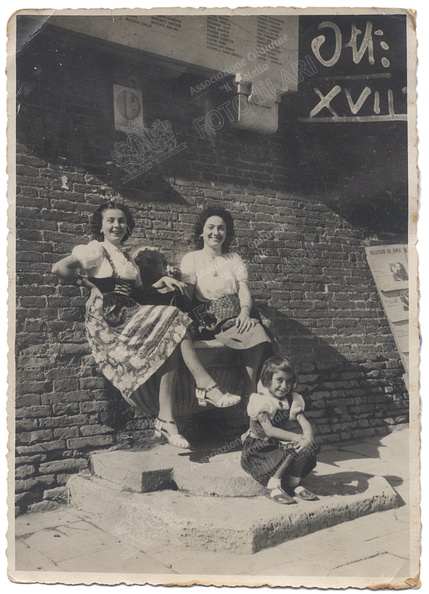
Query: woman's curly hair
[97,219]
[214,211]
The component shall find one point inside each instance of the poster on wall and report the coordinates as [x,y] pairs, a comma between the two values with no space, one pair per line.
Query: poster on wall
[401,332]
[213,299]
[389,267]
[396,304]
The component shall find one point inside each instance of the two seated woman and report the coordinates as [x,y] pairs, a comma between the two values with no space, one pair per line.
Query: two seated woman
[133,337]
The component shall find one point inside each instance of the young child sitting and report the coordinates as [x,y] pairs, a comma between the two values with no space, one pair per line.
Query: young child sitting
[271,454]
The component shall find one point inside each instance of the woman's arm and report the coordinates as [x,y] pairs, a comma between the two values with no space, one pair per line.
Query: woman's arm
[169,283]
[188,274]
[189,291]
[66,269]
[244,322]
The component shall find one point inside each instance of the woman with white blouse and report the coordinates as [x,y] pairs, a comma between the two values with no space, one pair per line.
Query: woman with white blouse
[217,284]
[131,336]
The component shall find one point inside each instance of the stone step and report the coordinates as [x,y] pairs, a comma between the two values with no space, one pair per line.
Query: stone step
[166,467]
[219,476]
[238,524]
[140,471]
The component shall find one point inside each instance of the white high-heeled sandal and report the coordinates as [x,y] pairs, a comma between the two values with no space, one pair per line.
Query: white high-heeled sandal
[226,401]
[176,440]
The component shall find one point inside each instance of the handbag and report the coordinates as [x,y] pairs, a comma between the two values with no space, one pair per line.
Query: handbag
[225,308]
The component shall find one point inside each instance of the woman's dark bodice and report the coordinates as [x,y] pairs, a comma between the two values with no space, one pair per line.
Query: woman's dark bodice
[118,305]
[111,284]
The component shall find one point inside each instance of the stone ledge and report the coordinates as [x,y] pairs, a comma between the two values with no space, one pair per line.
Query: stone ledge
[235,524]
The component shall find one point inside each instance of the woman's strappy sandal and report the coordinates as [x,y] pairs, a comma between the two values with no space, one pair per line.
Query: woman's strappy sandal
[224,402]
[175,440]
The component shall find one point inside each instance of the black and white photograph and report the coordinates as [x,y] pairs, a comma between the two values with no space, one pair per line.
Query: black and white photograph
[213,297]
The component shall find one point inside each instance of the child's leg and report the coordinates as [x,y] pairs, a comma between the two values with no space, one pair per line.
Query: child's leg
[276,493]
[275,480]
[301,467]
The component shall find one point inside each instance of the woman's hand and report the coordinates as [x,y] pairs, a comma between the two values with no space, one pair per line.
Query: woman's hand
[95,292]
[244,322]
[167,282]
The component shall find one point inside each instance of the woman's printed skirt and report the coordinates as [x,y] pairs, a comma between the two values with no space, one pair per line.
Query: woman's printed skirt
[128,355]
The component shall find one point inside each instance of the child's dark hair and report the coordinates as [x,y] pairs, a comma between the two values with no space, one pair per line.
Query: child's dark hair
[274,364]
[214,211]
[97,219]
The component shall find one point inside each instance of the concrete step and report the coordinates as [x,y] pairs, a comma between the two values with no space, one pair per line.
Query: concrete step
[238,524]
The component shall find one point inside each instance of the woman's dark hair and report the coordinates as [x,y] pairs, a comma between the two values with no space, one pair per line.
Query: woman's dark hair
[274,364]
[214,211]
[97,219]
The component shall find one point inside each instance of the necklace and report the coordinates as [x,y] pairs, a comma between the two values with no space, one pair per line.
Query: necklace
[215,273]
[212,266]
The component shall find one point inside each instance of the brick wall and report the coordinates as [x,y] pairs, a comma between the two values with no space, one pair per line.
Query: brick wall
[307,265]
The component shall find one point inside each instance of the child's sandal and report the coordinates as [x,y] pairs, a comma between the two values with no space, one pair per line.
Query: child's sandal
[279,496]
[306,495]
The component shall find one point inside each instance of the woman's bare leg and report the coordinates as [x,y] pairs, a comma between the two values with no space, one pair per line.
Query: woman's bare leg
[251,360]
[167,378]
[202,378]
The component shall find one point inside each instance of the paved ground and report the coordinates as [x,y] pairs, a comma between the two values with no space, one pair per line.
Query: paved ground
[377,545]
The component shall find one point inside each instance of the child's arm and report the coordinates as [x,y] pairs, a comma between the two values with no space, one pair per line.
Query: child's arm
[275,432]
[307,430]
[306,426]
